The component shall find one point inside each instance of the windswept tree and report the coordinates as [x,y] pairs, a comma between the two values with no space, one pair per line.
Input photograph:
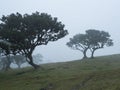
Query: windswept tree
[98,40]
[26,32]
[79,42]
[92,40]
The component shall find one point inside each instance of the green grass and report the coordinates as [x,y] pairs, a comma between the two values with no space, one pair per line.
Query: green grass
[100,73]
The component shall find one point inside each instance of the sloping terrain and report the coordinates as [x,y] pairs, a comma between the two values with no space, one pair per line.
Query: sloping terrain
[100,73]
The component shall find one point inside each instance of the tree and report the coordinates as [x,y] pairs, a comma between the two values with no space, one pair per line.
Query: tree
[5,51]
[92,39]
[37,58]
[26,32]
[97,40]
[18,59]
[79,42]
[5,63]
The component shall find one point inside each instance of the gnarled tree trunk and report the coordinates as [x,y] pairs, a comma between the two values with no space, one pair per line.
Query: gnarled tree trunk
[30,61]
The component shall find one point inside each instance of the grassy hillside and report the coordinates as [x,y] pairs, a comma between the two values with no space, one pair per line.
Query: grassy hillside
[101,73]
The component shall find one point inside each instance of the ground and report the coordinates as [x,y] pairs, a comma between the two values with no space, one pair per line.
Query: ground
[100,73]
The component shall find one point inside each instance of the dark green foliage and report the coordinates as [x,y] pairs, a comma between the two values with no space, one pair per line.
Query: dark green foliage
[4,47]
[25,32]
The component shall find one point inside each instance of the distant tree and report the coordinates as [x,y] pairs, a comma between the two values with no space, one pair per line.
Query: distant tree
[18,60]
[5,51]
[97,40]
[92,39]
[5,63]
[26,32]
[37,58]
[79,42]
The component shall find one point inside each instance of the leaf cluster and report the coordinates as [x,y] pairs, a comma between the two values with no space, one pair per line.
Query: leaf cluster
[25,32]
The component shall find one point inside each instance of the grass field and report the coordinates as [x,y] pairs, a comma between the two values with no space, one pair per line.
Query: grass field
[100,73]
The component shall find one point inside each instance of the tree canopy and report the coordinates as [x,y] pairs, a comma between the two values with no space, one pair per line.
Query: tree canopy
[92,40]
[79,42]
[25,32]
[98,39]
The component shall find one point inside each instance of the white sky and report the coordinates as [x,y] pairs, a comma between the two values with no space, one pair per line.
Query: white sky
[78,16]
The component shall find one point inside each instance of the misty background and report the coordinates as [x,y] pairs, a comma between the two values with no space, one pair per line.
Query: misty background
[78,16]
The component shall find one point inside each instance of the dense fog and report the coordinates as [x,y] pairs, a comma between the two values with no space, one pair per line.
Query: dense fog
[78,16]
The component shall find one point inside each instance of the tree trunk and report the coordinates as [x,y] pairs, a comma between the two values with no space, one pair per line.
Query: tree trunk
[84,53]
[84,57]
[92,55]
[35,66]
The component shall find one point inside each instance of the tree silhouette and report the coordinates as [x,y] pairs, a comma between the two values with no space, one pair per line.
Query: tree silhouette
[25,32]
[79,42]
[92,39]
[98,40]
